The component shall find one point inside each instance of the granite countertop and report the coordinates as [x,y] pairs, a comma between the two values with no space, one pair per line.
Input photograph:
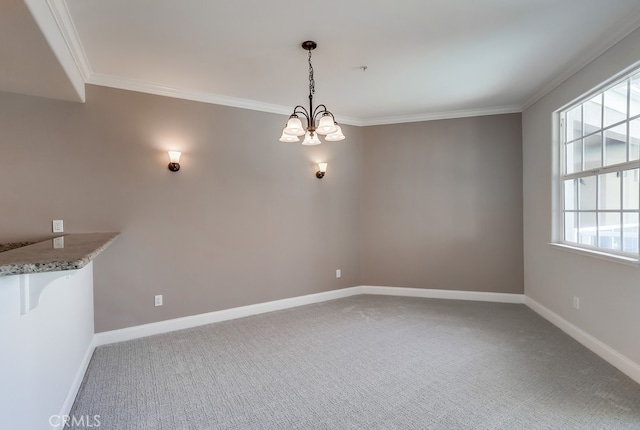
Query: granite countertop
[68,252]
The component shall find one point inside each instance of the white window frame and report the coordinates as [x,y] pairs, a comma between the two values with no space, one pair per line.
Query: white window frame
[559,229]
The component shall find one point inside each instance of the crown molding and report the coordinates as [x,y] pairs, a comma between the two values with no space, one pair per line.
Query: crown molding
[464,113]
[46,19]
[198,96]
[70,35]
[630,23]
[69,45]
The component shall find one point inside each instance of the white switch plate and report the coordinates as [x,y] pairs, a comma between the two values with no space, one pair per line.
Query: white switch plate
[58,226]
[158,300]
[576,302]
[338,273]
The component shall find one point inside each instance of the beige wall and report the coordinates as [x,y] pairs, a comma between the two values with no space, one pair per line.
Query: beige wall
[442,205]
[244,221]
[609,292]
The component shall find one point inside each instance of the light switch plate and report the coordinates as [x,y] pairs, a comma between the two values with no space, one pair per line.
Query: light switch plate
[58,226]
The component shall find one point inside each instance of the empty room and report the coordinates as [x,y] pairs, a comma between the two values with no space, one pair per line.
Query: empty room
[330,215]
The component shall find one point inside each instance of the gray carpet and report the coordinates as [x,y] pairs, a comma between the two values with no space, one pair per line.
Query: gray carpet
[363,362]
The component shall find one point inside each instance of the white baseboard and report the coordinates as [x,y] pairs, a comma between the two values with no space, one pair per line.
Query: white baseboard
[167,326]
[77,381]
[477,296]
[613,357]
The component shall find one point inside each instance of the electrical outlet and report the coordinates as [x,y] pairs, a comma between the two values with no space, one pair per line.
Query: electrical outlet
[158,300]
[576,302]
[338,273]
[58,226]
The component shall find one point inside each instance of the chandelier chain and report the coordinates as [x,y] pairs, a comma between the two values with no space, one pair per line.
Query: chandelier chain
[312,82]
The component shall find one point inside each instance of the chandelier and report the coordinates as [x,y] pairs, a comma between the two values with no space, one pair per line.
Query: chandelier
[319,120]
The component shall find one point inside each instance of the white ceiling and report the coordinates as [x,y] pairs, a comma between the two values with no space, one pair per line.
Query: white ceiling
[425,58]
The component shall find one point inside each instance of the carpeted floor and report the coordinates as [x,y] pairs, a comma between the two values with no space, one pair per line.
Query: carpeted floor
[363,362]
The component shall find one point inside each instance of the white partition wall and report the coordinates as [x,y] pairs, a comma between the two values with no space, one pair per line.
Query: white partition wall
[45,350]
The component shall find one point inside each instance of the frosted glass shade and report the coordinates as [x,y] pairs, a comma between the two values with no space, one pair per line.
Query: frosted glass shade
[322,167]
[289,138]
[174,156]
[294,127]
[336,135]
[326,125]
[311,139]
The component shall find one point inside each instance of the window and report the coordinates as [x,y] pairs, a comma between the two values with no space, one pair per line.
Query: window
[600,155]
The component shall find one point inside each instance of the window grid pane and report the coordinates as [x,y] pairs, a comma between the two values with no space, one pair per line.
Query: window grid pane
[592,151]
[602,209]
[615,145]
[630,232]
[615,104]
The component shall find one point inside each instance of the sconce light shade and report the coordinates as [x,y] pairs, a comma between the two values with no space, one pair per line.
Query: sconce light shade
[322,169]
[174,160]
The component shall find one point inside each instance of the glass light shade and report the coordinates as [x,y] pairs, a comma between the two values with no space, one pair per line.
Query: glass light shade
[326,125]
[289,138]
[336,135]
[174,156]
[311,139]
[294,127]
[322,167]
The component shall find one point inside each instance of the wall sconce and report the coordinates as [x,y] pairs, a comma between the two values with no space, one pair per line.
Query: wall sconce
[322,169]
[174,158]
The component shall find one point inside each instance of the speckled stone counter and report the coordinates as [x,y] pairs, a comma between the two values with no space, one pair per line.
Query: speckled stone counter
[74,251]
[8,246]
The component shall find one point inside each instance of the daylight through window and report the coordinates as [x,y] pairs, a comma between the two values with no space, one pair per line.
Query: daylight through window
[600,164]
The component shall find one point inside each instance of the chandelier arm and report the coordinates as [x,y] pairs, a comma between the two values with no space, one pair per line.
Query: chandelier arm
[300,110]
[321,110]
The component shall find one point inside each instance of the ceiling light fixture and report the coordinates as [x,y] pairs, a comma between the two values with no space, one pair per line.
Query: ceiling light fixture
[319,120]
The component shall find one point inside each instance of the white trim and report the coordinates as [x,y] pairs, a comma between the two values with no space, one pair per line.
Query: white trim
[70,35]
[463,113]
[77,381]
[613,357]
[630,23]
[478,296]
[167,326]
[198,96]
[48,24]
[629,261]
[607,353]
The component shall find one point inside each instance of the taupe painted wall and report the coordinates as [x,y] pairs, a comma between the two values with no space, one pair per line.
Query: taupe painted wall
[442,205]
[433,205]
[244,221]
